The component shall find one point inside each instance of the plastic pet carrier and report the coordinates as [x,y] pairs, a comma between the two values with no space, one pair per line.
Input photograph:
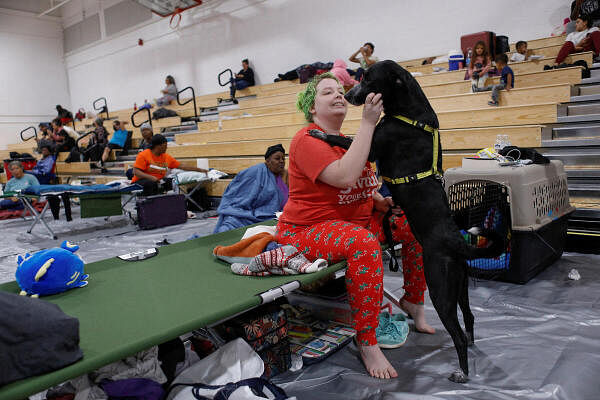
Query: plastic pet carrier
[527,205]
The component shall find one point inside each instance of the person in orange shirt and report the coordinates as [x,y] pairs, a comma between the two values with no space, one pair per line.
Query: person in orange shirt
[151,166]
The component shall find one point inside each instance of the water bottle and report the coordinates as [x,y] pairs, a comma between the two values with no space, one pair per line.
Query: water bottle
[469,55]
[134,106]
[499,143]
[506,141]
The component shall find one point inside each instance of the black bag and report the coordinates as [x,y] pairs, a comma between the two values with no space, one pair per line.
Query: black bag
[24,352]
[161,210]
[163,113]
[502,45]
[523,153]
[307,72]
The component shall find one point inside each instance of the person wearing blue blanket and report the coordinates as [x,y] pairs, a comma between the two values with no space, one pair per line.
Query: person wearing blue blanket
[256,193]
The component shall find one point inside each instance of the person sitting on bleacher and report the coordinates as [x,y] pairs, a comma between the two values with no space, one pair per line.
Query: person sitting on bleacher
[151,165]
[64,141]
[98,142]
[256,193]
[243,79]
[65,115]
[46,139]
[585,38]
[19,181]
[507,80]
[44,166]
[366,59]
[147,133]
[117,142]
[169,92]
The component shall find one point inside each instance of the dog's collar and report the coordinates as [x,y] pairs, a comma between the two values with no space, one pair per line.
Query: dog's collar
[420,175]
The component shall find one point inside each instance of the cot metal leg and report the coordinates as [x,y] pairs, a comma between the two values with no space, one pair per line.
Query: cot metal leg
[188,196]
[38,217]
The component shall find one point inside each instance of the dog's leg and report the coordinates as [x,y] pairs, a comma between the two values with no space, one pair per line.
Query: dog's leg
[463,302]
[444,291]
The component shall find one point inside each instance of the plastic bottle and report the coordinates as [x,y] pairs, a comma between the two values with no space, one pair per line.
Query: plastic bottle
[499,143]
[469,55]
[134,106]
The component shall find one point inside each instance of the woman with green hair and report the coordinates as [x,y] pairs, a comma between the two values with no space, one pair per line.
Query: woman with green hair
[335,212]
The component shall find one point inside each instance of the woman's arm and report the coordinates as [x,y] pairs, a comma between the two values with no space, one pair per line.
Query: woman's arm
[142,175]
[344,172]
[186,168]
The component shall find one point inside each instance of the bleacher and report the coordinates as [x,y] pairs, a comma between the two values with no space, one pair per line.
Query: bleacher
[554,111]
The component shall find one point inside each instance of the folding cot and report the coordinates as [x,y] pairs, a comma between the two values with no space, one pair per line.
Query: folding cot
[89,191]
[130,306]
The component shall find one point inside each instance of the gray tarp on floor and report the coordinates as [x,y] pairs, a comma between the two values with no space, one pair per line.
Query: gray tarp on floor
[534,341]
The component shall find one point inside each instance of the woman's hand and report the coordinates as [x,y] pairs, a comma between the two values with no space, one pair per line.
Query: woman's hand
[372,108]
[383,204]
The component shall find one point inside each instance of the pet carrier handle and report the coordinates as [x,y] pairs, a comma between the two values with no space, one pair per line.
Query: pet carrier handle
[103,107]
[230,77]
[30,137]
[148,119]
[188,100]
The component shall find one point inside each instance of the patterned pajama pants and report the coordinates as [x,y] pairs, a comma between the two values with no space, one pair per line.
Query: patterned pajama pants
[360,247]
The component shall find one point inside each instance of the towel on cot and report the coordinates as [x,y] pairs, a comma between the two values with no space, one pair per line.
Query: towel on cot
[244,250]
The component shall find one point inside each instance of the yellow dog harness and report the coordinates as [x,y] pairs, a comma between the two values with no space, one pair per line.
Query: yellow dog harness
[420,175]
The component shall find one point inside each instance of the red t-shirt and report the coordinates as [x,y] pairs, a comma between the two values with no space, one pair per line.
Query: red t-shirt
[312,201]
[154,165]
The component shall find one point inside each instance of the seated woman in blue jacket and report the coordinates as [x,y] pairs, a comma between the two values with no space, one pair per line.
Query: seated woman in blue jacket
[256,193]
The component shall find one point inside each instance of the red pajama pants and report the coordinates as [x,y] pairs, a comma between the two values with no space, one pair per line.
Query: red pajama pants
[360,247]
[569,47]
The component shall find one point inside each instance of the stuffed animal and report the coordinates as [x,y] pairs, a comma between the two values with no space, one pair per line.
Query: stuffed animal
[50,271]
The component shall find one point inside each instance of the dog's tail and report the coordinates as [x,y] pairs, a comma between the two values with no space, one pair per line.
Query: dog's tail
[496,245]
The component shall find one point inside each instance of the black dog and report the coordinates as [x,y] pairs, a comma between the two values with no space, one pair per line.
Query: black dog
[402,150]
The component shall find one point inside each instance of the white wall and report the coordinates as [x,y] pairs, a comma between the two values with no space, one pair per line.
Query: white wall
[33,77]
[278,35]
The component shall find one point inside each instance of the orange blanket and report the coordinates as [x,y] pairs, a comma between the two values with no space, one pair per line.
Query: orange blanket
[244,250]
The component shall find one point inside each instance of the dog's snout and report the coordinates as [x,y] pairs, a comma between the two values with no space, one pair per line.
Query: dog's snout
[353,96]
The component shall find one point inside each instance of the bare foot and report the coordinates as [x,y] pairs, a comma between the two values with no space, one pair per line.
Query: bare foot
[377,365]
[417,313]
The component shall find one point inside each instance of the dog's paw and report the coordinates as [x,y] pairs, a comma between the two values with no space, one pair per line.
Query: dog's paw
[458,376]
[474,230]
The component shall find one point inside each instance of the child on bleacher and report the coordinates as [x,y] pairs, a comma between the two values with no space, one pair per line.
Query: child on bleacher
[479,66]
[118,140]
[521,53]
[507,79]
[169,92]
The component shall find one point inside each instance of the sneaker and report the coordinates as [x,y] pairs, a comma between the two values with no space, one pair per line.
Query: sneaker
[103,170]
[493,103]
[392,330]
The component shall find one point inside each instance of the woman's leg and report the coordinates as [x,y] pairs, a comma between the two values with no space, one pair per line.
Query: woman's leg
[412,266]
[564,52]
[336,241]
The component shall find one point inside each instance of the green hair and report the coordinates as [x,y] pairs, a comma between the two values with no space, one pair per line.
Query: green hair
[306,98]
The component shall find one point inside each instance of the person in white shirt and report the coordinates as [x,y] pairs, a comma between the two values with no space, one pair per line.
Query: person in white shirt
[521,53]
[585,38]
[366,59]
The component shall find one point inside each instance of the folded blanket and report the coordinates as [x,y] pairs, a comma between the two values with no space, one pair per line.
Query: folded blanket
[244,250]
[285,260]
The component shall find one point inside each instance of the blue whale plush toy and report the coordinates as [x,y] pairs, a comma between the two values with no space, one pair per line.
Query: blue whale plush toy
[50,271]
